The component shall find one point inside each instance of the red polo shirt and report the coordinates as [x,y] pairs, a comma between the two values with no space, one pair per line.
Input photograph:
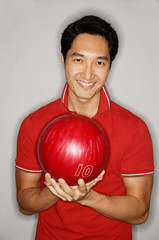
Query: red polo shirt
[130,154]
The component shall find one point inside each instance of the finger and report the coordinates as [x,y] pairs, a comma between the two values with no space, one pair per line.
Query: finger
[96,180]
[52,190]
[47,177]
[74,187]
[82,185]
[101,175]
[59,189]
[51,186]
[90,184]
[70,191]
[66,188]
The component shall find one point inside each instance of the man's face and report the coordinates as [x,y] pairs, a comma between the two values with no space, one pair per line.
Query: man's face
[87,66]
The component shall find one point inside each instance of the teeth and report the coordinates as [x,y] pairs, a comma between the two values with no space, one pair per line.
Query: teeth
[86,84]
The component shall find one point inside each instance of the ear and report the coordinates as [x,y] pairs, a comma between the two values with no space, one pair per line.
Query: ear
[62,59]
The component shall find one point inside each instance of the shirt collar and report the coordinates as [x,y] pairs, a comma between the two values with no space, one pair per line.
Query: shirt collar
[104,104]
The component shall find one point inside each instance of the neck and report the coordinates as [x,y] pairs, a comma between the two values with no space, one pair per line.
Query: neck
[86,107]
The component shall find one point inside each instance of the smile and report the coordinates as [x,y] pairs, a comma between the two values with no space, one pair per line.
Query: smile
[85,84]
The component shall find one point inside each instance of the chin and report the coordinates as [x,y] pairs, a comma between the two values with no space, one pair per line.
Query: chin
[84,97]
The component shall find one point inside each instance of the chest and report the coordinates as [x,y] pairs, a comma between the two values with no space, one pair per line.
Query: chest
[112,182]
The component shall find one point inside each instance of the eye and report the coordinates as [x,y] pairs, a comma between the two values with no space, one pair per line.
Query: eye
[100,63]
[78,60]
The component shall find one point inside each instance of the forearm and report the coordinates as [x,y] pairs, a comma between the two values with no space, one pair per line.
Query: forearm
[123,208]
[36,199]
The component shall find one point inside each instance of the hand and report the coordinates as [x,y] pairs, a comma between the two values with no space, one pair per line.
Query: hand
[71,193]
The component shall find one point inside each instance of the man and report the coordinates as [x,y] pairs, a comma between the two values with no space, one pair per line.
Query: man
[106,207]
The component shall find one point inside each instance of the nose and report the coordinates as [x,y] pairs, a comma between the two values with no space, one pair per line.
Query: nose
[87,73]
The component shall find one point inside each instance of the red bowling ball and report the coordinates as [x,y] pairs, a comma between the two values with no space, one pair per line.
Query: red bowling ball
[72,147]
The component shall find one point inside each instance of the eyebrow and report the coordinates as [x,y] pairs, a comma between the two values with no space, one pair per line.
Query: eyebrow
[103,58]
[76,54]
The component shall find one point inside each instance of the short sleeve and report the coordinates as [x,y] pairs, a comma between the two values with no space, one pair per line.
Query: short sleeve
[27,158]
[138,157]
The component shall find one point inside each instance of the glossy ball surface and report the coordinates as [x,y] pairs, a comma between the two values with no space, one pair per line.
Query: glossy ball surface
[72,147]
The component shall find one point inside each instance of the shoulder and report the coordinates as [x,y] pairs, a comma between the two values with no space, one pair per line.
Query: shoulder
[127,120]
[38,119]
[121,111]
[46,110]
[123,114]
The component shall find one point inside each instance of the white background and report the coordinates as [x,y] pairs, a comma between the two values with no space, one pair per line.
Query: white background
[31,75]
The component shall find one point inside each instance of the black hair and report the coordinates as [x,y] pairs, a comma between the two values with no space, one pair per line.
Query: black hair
[91,25]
